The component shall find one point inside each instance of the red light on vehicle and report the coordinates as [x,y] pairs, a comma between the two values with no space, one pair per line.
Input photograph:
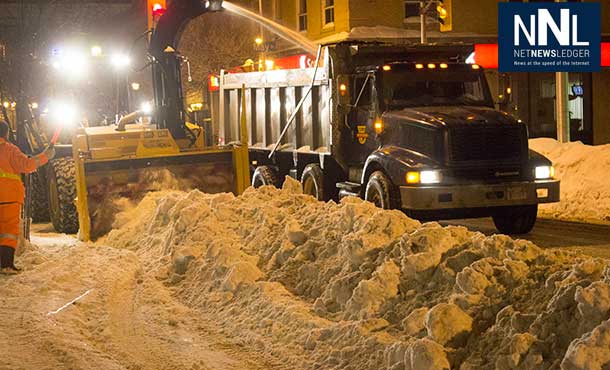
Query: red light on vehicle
[157,10]
[486,55]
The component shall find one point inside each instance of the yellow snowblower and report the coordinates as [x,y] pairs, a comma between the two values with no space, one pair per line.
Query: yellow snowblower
[131,158]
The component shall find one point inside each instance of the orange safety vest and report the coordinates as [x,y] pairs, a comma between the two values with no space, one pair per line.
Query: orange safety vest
[13,163]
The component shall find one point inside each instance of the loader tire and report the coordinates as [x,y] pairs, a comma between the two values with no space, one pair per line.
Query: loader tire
[39,208]
[516,220]
[62,195]
[265,175]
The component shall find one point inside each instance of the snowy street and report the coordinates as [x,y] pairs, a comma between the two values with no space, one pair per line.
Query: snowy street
[590,239]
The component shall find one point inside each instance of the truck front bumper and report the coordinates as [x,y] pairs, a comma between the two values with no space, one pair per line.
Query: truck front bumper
[479,195]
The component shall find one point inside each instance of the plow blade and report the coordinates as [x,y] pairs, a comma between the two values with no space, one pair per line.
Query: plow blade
[105,187]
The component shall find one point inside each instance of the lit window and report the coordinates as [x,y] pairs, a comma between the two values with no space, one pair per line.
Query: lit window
[302,15]
[411,9]
[329,11]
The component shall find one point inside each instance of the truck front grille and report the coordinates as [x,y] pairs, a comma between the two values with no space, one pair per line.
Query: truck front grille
[486,174]
[487,142]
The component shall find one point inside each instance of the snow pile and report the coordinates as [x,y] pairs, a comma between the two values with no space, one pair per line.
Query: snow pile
[583,171]
[350,286]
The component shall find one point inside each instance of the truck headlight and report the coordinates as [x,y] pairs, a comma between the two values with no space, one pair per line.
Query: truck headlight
[423,177]
[544,172]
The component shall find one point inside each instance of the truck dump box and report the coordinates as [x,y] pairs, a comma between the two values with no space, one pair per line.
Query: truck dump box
[271,98]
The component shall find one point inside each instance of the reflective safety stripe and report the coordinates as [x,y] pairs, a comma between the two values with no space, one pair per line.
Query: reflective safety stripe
[9,236]
[11,176]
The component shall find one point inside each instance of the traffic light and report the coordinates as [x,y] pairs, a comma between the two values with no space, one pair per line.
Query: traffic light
[155,9]
[443,10]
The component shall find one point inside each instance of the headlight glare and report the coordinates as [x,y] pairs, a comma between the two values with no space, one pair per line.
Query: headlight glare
[423,177]
[544,172]
[430,177]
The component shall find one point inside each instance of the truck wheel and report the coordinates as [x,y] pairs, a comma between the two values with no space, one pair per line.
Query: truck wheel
[265,175]
[381,191]
[40,197]
[516,220]
[62,195]
[313,181]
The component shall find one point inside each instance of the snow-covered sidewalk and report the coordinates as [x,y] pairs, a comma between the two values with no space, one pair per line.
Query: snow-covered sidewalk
[584,172]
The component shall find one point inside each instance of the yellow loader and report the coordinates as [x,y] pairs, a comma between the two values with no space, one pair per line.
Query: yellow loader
[128,159]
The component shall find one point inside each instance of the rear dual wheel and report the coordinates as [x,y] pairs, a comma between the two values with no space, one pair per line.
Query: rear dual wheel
[312,180]
[265,175]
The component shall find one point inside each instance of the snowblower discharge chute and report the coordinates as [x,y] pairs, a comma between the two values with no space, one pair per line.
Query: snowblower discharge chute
[130,159]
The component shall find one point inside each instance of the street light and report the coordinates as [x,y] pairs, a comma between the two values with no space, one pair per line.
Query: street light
[135,86]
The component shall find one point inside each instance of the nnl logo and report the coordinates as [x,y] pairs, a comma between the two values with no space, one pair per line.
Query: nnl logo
[545,22]
[549,37]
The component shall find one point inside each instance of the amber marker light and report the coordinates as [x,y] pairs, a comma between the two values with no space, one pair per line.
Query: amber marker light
[387,68]
[378,126]
[419,66]
[431,65]
[444,66]
[343,89]
[412,177]
[476,66]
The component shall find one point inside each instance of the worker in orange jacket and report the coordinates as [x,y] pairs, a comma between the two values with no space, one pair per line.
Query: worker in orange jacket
[13,163]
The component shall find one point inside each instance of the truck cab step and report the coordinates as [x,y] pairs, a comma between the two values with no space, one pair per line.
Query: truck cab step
[347,189]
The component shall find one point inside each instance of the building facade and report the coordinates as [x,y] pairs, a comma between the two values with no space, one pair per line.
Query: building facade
[527,96]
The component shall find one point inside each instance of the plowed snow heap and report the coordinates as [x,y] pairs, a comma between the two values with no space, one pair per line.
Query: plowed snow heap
[350,286]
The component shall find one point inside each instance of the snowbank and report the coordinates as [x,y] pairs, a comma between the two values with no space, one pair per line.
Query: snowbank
[584,171]
[350,286]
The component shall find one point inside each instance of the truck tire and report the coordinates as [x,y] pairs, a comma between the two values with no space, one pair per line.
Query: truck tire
[381,191]
[516,220]
[312,180]
[39,208]
[265,175]
[62,195]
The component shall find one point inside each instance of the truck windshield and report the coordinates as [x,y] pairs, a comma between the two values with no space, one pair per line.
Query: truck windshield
[409,87]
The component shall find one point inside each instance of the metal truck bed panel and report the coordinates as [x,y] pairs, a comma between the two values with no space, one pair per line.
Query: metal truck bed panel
[275,78]
[271,98]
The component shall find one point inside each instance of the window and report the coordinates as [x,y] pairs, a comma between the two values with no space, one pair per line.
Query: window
[411,9]
[302,15]
[329,11]
[362,91]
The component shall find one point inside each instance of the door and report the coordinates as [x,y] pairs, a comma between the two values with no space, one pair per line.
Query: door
[361,117]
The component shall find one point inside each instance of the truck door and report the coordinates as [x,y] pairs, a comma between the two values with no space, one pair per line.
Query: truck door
[361,117]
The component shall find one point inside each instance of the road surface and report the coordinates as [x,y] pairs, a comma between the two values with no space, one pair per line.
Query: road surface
[587,238]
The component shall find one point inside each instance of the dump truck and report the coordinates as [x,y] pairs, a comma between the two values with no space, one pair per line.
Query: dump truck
[134,156]
[409,127]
